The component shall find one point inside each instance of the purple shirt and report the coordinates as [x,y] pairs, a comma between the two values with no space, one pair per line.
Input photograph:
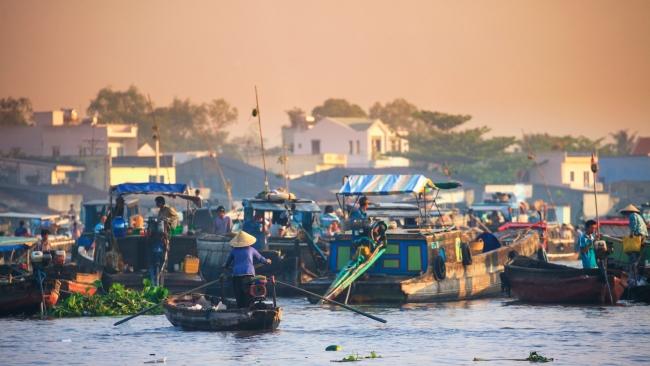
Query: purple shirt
[242,260]
[222,225]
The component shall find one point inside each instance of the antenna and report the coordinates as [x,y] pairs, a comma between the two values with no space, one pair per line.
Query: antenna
[256,112]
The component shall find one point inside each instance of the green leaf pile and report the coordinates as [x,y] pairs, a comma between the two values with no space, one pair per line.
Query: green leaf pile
[117,301]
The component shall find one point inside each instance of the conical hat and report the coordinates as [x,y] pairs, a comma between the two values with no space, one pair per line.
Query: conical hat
[630,208]
[242,239]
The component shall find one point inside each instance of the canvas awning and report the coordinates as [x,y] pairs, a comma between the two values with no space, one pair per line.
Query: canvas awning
[164,189]
[11,243]
[390,184]
[263,205]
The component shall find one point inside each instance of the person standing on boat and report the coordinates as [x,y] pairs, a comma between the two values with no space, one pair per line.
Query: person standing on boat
[44,244]
[160,244]
[242,260]
[22,230]
[258,228]
[586,245]
[330,223]
[222,223]
[638,229]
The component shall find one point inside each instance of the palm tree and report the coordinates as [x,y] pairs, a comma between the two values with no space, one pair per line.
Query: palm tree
[623,142]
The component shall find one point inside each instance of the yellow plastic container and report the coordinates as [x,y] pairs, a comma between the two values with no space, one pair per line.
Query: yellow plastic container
[631,244]
[191,264]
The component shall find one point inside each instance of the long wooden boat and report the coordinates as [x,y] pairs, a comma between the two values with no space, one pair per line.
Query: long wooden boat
[194,312]
[21,295]
[540,282]
[424,264]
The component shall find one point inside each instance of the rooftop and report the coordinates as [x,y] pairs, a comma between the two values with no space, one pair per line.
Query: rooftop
[166,161]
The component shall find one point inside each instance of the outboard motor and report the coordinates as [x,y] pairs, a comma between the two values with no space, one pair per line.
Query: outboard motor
[257,290]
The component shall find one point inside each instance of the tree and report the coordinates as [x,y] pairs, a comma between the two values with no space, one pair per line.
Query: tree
[338,108]
[623,142]
[115,106]
[441,121]
[397,114]
[536,143]
[297,118]
[15,111]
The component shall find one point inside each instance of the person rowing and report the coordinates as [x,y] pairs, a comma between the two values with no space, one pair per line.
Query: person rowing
[242,259]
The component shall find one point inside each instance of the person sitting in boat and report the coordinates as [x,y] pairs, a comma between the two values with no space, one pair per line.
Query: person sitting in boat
[258,228]
[330,223]
[359,218]
[44,244]
[22,230]
[100,225]
[279,224]
[586,244]
[222,223]
[638,230]
[242,260]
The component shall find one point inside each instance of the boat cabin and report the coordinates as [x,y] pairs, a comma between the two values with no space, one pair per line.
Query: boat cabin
[92,211]
[9,222]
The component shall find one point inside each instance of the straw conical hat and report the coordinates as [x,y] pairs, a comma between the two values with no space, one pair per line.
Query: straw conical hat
[242,239]
[630,208]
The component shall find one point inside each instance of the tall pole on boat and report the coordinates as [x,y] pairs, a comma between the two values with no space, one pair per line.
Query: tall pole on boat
[256,112]
[594,170]
[285,171]
[156,139]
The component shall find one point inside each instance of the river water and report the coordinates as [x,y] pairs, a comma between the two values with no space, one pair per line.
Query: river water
[446,333]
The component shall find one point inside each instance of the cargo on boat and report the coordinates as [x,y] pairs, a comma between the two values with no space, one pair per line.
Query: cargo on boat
[123,251]
[536,281]
[424,263]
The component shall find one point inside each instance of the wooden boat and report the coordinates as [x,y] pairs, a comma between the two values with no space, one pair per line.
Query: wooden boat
[183,312]
[122,255]
[20,291]
[423,264]
[540,282]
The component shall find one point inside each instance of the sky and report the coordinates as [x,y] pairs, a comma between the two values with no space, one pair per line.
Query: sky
[556,66]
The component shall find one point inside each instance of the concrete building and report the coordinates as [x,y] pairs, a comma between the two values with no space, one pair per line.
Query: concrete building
[563,169]
[627,178]
[54,135]
[365,142]
[39,172]
[126,169]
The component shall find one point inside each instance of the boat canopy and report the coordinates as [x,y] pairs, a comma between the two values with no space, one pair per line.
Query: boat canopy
[264,205]
[165,189]
[387,184]
[11,243]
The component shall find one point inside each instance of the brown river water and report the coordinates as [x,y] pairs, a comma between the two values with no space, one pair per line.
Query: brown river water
[416,334]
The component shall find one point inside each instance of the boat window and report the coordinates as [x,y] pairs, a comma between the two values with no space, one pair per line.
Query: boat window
[392,249]
[342,257]
[391,263]
[414,258]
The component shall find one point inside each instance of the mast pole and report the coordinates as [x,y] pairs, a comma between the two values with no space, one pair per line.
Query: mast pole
[259,123]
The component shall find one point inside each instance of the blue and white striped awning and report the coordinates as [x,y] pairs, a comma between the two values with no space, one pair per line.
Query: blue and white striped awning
[385,184]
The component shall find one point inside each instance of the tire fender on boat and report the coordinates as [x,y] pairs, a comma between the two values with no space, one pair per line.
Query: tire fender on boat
[439,268]
[466,254]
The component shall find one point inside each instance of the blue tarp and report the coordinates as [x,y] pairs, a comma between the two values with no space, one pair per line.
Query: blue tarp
[386,184]
[149,188]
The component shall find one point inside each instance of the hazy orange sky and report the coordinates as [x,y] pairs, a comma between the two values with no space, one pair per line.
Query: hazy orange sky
[563,67]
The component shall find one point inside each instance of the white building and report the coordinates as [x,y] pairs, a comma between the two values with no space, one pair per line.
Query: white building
[564,169]
[365,142]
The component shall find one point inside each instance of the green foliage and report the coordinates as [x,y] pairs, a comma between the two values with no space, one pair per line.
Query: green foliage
[355,357]
[183,125]
[118,301]
[338,108]
[398,114]
[15,111]
[297,118]
[541,142]
[623,142]
[535,357]
[441,121]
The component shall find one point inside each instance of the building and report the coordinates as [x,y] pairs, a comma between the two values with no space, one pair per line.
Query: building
[563,169]
[627,178]
[126,169]
[60,133]
[39,172]
[365,142]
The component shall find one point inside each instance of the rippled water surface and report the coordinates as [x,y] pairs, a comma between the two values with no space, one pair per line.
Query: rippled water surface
[449,333]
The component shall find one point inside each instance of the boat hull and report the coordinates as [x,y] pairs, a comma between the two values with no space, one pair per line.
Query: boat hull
[221,320]
[24,296]
[539,282]
[480,279]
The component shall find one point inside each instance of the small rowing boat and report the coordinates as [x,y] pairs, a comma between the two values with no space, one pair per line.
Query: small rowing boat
[200,312]
[540,282]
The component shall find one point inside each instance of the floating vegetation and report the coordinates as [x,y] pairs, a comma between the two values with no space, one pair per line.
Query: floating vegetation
[356,357]
[532,357]
[117,301]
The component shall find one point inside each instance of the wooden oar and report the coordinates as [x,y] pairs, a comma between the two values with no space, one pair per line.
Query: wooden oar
[162,302]
[333,302]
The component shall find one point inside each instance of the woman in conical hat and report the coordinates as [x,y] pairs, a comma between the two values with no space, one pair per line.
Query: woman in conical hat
[638,229]
[242,259]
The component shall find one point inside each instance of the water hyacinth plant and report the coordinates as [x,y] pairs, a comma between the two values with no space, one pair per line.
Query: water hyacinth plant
[117,301]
